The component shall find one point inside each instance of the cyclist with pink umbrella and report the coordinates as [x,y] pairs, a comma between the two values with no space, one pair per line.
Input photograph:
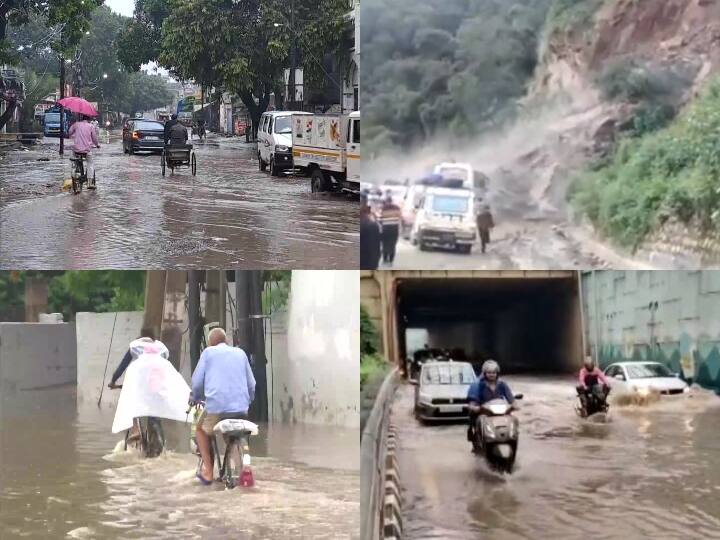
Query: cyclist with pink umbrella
[83,133]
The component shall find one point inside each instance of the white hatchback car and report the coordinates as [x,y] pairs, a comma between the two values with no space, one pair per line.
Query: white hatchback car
[442,389]
[643,377]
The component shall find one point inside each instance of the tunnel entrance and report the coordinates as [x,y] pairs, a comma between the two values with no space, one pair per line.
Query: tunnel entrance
[528,324]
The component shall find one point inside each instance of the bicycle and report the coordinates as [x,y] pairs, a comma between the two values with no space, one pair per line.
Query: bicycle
[234,468]
[151,440]
[78,173]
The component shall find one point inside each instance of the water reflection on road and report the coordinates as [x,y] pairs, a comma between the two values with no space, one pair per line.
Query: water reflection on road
[652,472]
[61,478]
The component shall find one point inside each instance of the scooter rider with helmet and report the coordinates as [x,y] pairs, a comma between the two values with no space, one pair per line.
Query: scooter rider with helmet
[486,388]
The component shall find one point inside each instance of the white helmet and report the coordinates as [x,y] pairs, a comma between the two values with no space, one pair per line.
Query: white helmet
[490,365]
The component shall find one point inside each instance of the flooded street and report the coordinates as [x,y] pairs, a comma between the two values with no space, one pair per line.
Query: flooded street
[62,478]
[229,215]
[652,472]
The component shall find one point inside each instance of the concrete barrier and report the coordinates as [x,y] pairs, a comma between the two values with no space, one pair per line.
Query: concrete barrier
[94,331]
[35,355]
[379,483]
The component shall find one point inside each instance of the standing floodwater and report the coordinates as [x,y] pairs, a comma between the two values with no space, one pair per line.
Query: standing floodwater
[653,472]
[62,478]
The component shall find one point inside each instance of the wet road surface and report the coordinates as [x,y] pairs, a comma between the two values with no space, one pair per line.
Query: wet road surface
[62,478]
[229,215]
[652,472]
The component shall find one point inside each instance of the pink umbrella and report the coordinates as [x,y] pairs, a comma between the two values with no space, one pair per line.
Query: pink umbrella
[78,105]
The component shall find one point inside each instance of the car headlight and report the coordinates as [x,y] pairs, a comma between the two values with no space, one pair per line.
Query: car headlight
[282,148]
[643,391]
[425,398]
[686,390]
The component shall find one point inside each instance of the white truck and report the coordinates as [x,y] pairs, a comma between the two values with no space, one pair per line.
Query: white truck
[326,147]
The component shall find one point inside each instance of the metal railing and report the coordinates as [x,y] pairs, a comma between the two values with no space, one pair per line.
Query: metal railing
[372,460]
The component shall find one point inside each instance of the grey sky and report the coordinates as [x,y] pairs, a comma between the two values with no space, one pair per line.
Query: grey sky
[123,7]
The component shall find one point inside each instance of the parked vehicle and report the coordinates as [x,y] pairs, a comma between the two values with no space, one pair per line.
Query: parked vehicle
[274,145]
[441,392]
[51,123]
[326,147]
[497,434]
[643,378]
[445,218]
[143,135]
[410,206]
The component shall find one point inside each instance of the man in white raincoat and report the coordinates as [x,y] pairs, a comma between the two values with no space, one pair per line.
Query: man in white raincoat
[152,387]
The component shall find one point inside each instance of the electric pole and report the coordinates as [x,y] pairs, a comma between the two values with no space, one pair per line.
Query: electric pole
[62,95]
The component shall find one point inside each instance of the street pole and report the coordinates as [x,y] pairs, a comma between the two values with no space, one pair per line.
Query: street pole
[62,109]
[194,318]
[293,52]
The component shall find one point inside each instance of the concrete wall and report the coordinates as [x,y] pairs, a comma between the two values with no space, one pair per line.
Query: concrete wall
[672,317]
[320,382]
[35,355]
[94,331]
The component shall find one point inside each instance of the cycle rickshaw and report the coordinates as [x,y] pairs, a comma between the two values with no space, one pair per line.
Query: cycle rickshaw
[174,157]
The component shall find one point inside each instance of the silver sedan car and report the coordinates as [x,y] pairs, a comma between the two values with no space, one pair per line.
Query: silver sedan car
[441,391]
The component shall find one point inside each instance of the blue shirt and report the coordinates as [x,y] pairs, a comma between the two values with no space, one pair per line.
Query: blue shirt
[480,392]
[224,377]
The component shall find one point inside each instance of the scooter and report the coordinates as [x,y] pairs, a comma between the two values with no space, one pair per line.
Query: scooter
[595,402]
[496,434]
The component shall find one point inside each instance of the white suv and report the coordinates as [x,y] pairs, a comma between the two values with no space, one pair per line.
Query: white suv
[446,218]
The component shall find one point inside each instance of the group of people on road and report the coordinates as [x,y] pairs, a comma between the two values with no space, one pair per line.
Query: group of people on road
[223,380]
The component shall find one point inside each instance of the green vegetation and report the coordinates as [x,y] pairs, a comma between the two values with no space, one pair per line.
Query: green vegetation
[72,291]
[277,290]
[571,14]
[667,174]
[455,66]
[372,366]
[238,45]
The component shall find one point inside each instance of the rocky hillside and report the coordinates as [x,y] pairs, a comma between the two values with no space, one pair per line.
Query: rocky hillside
[639,76]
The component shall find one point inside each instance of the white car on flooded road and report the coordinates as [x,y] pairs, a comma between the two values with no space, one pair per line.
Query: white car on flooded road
[441,391]
[644,377]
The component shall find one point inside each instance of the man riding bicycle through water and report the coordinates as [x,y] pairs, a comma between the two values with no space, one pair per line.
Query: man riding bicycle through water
[224,378]
[147,336]
[85,138]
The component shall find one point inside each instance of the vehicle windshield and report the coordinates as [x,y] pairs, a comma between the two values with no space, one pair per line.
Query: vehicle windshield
[454,173]
[450,205]
[643,371]
[449,374]
[149,126]
[282,124]
[52,117]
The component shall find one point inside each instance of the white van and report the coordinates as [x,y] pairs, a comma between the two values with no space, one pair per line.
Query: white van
[445,218]
[274,146]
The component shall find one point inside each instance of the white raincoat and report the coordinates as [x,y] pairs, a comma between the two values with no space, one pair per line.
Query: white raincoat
[152,387]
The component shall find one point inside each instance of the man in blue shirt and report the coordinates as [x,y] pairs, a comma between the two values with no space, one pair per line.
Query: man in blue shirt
[224,378]
[486,388]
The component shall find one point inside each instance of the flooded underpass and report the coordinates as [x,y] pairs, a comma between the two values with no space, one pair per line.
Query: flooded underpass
[229,215]
[63,475]
[651,472]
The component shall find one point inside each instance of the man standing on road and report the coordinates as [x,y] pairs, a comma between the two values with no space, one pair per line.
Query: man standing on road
[484,224]
[369,238]
[390,217]
[168,126]
[223,377]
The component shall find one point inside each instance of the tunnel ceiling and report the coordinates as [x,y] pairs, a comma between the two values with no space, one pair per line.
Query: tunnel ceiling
[423,300]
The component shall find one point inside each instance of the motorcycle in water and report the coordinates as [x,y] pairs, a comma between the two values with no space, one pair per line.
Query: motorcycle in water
[496,434]
[595,401]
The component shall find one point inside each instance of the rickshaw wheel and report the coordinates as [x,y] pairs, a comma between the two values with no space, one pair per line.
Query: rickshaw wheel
[193,164]
[162,162]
